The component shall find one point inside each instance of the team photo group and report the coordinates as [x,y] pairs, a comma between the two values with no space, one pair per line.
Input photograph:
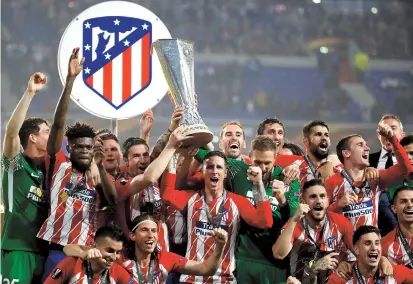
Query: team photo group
[82,206]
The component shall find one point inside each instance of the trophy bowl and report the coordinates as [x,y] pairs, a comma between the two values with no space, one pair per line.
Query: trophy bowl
[176,57]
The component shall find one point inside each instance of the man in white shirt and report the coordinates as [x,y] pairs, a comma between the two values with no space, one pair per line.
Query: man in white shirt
[384,159]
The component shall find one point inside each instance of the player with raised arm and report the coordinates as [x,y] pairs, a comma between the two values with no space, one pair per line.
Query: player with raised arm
[25,199]
[74,197]
[143,259]
[254,257]
[367,247]
[140,193]
[349,191]
[314,237]
[215,207]
[108,245]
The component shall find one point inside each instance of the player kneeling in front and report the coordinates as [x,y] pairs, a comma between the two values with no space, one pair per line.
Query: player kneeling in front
[143,259]
[367,247]
[108,245]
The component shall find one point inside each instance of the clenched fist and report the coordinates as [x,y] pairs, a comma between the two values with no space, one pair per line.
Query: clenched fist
[255,174]
[278,191]
[301,211]
[385,131]
[91,254]
[220,236]
[36,82]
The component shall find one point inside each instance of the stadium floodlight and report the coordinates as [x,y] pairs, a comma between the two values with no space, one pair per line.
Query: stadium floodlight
[324,49]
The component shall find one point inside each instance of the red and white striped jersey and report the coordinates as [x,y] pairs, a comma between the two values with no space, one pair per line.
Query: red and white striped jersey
[176,223]
[72,270]
[337,236]
[147,201]
[392,248]
[200,243]
[366,210]
[74,203]
[305,171]
[166,263]
[400,275]
[109,215]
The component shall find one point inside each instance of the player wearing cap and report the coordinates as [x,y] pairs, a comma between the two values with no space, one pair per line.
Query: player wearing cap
[108,245]
[367,247]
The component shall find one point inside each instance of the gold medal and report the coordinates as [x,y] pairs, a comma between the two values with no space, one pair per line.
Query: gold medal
[39,192]
[64,196]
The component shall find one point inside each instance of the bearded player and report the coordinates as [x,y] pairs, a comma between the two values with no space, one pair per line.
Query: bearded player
[316,163]
[313,237]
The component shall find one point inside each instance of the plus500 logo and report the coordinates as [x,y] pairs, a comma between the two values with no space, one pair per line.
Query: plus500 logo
[8,281]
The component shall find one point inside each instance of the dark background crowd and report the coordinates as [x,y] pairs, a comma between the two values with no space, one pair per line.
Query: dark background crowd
[245,85]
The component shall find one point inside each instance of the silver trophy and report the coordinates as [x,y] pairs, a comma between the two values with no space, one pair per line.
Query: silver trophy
[177,60]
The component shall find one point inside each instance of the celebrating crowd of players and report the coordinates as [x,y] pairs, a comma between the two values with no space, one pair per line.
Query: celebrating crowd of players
[182,215]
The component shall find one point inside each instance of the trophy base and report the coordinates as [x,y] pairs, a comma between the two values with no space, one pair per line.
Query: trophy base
[200,136]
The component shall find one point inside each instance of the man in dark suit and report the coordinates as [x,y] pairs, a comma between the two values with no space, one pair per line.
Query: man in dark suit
[382,160]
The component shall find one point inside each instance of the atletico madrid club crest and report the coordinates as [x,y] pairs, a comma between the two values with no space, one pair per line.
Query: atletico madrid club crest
[120,77]
[117,57]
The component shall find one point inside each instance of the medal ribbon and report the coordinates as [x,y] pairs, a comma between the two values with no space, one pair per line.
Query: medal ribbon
[310,165]
[149,278]
[350,180]
[220,211]
[317,244]
[360,279]
[89,273]
[405,246]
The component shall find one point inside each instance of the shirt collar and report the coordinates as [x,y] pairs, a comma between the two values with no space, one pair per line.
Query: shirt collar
[383,153]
